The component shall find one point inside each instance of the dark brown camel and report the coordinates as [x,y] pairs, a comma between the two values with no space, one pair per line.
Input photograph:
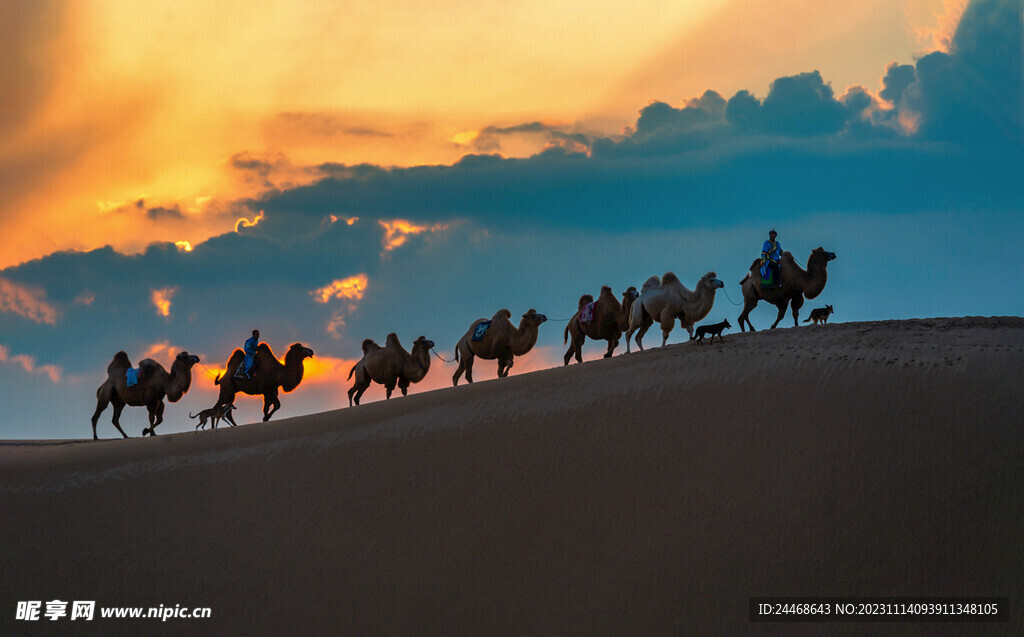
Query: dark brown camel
[154,384]
[268,376]
[610,320]
[797,284]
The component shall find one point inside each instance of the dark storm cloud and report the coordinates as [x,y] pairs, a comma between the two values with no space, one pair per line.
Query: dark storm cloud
[897,78]
[973,94]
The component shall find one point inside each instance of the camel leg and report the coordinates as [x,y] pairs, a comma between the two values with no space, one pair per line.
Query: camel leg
[359,394]
[118,407]
[270,405]
[782,311]
[796,304]
[467,365]
[389,387]
[612,344]
[577,345]
[568,354]
[101,404]
[352,392]
[403,384]
[748,305]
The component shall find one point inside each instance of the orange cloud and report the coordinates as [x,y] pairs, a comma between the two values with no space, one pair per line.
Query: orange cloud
[351,288]
[27,302]
[184,245]
[398,230]
[29,364]
[245,223]
[162,300]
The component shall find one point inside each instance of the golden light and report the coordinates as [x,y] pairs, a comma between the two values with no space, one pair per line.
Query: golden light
[464,138]
[351,288]
[398,230]
[184,246]
[162,300]
[245,223]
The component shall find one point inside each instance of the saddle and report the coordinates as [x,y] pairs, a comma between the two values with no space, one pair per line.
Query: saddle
[481,329]
[587,314]
[773,280]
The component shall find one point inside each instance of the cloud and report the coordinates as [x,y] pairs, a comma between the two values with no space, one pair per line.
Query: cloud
[972,95]
[324,125]
[26,301]
[351,288]
[162,301]
[28,363]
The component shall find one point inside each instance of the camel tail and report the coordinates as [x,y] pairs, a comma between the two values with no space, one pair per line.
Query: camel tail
[351,371]
[565,335]
[745,279]
[216,381]
[456,353]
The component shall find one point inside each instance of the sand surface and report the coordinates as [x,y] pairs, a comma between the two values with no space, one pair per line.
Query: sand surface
[652,493]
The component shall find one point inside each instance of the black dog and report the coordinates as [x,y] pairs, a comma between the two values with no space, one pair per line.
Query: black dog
[820,314]
[712,330]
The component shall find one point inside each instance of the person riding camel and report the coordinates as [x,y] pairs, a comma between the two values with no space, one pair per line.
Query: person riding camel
[250,348]
[771,252]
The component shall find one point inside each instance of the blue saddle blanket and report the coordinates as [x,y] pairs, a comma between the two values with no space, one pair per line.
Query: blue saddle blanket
[133,376]
[481,329]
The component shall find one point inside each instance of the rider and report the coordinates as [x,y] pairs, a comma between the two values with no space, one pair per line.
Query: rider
[250,348]
[771,252]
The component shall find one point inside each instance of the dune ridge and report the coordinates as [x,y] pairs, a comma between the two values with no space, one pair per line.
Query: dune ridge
[652,493]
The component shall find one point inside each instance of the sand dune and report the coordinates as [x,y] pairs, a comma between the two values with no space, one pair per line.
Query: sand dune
[652,493]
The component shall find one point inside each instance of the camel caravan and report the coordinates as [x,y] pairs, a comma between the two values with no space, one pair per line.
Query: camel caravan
[254,370]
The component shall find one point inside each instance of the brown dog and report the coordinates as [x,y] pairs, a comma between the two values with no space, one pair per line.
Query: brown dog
[214,414]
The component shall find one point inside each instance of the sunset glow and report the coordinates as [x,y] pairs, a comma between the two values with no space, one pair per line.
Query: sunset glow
[351,288]
[162,300]
[398,230]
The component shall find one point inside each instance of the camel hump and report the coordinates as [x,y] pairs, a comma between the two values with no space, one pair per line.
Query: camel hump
[653,282]
[584,300]
[392,340]
[120,361]
[711,275]
[669,277]
[606,289]
[502,314]
[369,345]
[147,367]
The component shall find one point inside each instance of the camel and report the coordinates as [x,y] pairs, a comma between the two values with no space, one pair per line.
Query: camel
[667,298]
[154,384]
[502,341]
[389,365]
[268,376]
[797,285]
[610,320]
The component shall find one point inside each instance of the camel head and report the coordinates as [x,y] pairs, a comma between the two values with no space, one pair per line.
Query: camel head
[299,350]
[422,343]
[533,318]
[820,255]
[186,359]
[712,281]
[630,295]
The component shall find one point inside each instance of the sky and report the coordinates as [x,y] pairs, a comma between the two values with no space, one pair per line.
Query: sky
[175,174]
